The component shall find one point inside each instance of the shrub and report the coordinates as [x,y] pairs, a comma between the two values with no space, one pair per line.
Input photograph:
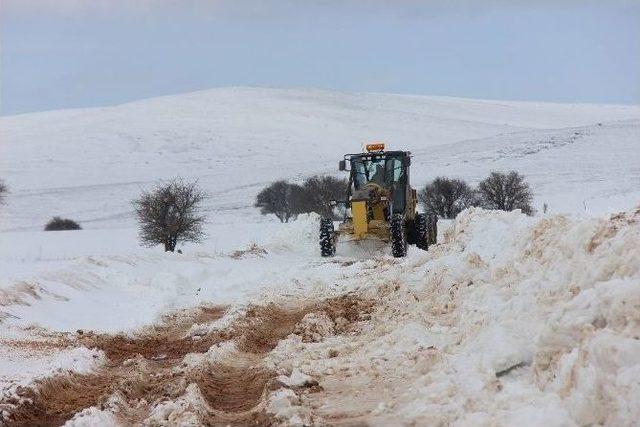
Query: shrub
[170,213]
[317,192]
[506,192]
[277,199]
[447,197]
[3,191]
[58,224]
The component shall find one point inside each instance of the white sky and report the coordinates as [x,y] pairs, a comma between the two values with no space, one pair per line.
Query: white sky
[72,53]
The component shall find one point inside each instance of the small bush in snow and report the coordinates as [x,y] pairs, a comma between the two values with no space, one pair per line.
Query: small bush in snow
[447,197]
[58,224]
[170,213]
[3,191]
[277,199]
[316,193]
[506,192]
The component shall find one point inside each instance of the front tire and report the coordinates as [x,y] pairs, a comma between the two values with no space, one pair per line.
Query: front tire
[421,227]
[327,238]
[398,236]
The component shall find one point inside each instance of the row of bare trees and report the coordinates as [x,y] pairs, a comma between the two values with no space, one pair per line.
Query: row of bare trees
[447,197]
[171,212]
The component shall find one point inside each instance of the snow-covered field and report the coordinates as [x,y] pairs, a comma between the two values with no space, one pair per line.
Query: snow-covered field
[510,320]
[89,163]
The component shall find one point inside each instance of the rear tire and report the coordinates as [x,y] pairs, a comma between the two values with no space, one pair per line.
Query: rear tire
[412,237]
[422,231]
[398,236]
[327,238]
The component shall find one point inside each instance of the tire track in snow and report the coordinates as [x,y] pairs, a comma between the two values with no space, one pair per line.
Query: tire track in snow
[170,375]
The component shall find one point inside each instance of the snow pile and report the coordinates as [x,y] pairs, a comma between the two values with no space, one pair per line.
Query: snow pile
[510,315]
[556,294]
[589,350]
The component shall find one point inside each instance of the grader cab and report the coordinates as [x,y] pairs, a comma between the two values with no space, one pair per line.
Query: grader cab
[380,204]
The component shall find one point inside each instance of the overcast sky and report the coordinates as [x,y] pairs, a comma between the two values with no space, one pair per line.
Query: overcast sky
[75,53]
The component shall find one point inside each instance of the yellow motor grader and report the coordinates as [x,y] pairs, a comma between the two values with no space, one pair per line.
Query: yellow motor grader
[380,204]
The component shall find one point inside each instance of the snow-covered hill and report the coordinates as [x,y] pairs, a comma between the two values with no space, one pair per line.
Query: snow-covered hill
[89,163]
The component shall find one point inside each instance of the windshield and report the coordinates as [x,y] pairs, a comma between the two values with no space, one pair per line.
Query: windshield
[384,171]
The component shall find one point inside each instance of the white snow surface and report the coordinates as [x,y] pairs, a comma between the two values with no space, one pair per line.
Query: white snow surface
[510,320]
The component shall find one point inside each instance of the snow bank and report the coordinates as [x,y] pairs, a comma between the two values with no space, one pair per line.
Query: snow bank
[588,352]
[512,320]
[556,294]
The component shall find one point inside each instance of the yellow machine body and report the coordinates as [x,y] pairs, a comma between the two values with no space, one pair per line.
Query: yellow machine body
[368,217]
[360,220]
[366,222]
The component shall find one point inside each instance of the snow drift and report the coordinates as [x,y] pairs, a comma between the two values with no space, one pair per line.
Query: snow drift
[512,321]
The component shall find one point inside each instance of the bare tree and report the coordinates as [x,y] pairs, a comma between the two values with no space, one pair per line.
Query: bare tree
[277,199]
[3,191]
[506,192]
[317,193]
[58,224]
[447,197]
[170,213]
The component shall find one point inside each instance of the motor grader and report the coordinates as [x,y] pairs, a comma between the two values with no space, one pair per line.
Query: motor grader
[380,204]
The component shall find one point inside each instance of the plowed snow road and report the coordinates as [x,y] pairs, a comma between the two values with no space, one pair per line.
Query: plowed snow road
[511,320]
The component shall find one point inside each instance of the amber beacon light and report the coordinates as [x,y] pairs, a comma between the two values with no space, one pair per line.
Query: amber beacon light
[375,147]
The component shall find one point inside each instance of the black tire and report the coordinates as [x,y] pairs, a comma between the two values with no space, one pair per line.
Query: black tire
[412,237]
[398,236]
[421,226]
[432,233]
[327,238]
